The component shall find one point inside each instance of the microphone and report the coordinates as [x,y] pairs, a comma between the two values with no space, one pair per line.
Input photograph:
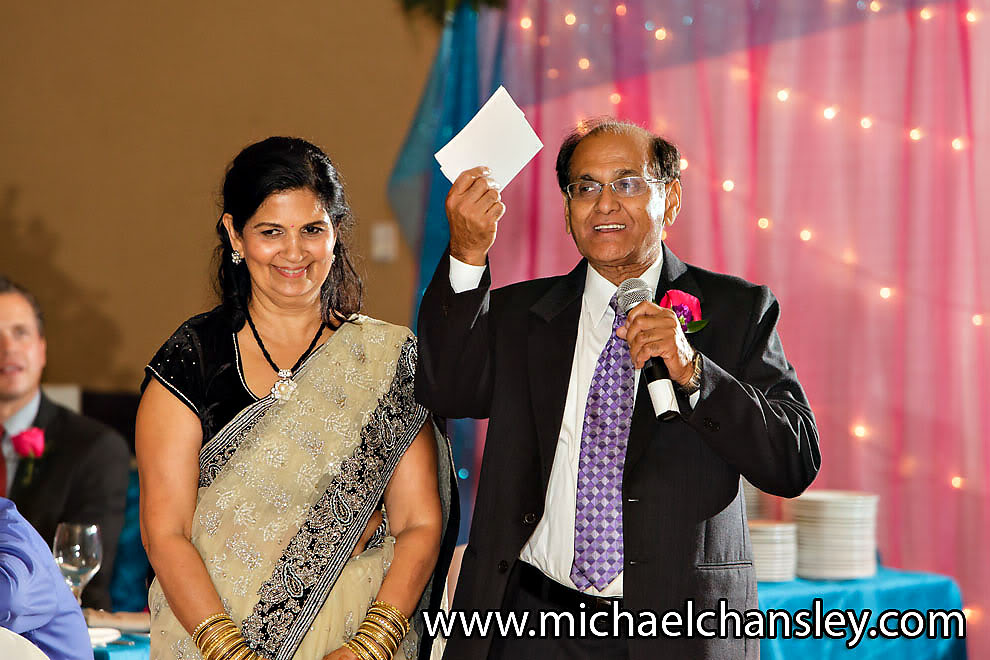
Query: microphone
[661,388]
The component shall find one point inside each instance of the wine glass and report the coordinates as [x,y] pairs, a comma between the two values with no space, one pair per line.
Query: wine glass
[78,551]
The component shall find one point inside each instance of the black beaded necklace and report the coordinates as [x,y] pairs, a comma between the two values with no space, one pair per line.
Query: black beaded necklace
[284,386]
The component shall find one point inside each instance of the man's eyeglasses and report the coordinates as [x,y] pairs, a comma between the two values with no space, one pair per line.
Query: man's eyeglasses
[627,186]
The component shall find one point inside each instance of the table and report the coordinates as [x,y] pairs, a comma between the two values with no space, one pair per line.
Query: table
[140,651]
[889,589]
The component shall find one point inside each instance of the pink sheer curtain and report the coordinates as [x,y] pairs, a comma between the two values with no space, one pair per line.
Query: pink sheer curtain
[834,151]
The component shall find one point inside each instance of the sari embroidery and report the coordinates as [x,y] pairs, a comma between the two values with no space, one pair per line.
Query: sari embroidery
[215,453]
[329,528]
[287,487]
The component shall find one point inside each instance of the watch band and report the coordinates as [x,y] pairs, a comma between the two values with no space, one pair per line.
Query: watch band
[694,384]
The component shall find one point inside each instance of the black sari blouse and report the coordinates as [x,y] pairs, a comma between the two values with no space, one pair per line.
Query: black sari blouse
[201,365]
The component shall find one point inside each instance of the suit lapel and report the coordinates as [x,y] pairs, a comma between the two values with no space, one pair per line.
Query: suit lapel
[46,413]
[551,339]
[673,275]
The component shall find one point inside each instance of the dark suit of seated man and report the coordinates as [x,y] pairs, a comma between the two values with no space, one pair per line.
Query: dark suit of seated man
[82,473]
[586,501]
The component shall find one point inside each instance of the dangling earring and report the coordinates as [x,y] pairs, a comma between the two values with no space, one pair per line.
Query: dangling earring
[236,257]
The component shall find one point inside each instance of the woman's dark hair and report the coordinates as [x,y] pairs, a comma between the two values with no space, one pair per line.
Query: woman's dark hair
[274,165]
[665,159]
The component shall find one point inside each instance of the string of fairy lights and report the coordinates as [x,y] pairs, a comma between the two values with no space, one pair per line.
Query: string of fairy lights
[783,95]
[829,113]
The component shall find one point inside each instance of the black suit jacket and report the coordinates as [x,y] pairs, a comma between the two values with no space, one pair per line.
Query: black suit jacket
[506,355]
[81,477]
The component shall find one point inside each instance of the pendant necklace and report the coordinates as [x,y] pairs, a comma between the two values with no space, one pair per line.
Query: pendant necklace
[284,386]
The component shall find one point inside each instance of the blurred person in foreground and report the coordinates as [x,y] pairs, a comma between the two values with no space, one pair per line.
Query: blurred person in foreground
[586,501]
[58,466]
[35,601]
[289,479]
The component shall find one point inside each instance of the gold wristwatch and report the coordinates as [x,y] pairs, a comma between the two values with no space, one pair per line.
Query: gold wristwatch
[694,384]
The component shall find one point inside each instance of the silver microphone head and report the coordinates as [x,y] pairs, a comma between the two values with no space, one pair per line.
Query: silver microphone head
[632,292]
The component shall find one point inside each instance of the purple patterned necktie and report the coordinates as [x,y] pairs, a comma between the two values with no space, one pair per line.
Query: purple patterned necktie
[607,418]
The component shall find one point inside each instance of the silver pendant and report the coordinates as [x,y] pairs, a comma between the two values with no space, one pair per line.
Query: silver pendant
[284,387]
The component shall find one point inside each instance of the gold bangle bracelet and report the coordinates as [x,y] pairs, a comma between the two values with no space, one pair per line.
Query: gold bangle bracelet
[358,650]
[232,649]
[251,655]
[393,612]
[214,630]
[214,644]
[388,607]
[365,652]
[215,652]
[380,651]
[216,638]
[221,652]
[380,634]
[389,618]
[373,629]
[371,647]
[219,649]
[238,651]
[241,652]
[384,621]
[384,643]
[392,626]
[213,618]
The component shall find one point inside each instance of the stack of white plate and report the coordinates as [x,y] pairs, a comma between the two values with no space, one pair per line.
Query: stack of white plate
[774,550]
[754,501]
[836,534]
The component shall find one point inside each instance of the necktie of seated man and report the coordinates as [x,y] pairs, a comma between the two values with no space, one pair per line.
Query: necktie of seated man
[604,436]
[3,466]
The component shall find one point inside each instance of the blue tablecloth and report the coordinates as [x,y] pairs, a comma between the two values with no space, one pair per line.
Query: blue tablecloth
[140,651]
[889,589]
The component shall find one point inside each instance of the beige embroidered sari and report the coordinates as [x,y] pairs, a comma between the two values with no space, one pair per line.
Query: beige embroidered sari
[286,490]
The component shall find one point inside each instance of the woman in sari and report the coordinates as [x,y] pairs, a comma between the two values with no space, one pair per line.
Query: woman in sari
[289,511]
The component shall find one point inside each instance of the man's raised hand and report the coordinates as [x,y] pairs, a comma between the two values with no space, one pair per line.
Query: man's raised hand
[474,206]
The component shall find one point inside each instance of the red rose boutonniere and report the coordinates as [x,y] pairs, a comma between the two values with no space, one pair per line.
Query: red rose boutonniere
[687,308]
[29,445]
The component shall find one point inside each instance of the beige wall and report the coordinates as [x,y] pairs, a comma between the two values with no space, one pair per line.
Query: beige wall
[117,122]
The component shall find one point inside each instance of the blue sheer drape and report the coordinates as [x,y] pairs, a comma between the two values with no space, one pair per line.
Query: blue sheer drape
[417,190]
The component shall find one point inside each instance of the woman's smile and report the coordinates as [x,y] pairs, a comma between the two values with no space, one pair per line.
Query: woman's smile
[291,273]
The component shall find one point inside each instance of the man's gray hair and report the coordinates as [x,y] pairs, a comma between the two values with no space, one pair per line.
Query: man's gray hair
[665,159]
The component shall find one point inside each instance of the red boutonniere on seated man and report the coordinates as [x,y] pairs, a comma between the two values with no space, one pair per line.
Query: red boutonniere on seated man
[29,445]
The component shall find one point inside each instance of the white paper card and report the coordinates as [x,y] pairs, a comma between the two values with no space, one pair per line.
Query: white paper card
[498,137]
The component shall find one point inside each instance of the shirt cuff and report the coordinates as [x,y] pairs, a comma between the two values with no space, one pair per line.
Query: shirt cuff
[464,277]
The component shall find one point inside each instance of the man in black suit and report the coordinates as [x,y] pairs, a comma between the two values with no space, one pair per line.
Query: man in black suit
[583,506]
[81,476]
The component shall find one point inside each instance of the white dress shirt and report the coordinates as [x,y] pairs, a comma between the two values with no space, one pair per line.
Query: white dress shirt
[18,422]
[551,547]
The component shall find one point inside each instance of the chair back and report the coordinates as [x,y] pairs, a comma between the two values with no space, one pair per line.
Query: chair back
[13,645]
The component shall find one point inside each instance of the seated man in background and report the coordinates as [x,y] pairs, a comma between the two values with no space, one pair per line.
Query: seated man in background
[82,470]
[35,602]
